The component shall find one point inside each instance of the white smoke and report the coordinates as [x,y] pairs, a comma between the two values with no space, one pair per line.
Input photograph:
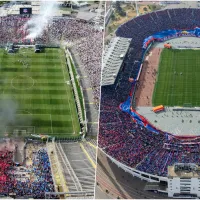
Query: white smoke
[37,24]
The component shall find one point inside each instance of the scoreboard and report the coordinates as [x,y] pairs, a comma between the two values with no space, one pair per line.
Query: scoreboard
[24,11]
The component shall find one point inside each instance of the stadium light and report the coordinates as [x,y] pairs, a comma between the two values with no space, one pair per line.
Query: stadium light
[136,8]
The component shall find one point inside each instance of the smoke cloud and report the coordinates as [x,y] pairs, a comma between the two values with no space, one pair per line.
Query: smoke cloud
[8,109]
[11,117]
[37,24]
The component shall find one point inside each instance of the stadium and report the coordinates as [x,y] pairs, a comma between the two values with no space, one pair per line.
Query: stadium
[149,114]
[48,140]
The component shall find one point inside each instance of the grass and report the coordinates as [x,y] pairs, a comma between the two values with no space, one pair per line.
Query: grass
[43,99]
[172,88]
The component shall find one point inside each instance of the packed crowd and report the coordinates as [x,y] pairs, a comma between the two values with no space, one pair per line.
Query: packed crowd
[11,29]
[88,44]
[89,50]
[5,163]
[121,137]
[41,181]
[31,181]
[86,39]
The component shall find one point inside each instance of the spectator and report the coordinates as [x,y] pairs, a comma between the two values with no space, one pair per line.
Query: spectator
[119,135]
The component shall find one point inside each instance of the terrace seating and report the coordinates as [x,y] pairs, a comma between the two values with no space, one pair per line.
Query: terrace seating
[17,181]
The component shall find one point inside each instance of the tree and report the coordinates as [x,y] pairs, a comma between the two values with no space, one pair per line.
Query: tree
[113,17]
[119,8]
[145,9]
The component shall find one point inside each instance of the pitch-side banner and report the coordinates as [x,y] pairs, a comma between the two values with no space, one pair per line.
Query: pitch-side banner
[169,34]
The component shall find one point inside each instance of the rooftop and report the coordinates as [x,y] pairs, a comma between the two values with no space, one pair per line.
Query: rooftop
[184,171]
[86,15]
[113,58]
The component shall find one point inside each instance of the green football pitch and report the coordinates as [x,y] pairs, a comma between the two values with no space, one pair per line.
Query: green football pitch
[36,96]
[178,78]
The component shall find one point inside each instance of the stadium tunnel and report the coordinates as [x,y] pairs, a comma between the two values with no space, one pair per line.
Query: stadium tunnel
[38,48]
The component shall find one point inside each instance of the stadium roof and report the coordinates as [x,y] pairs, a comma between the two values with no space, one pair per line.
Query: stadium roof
[113,58]
[86,15]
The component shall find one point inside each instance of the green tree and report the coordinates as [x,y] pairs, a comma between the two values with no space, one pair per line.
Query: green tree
[145,9]
[119,9]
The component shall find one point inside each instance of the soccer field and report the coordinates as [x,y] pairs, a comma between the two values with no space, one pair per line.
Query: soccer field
[36,98]
[178,82]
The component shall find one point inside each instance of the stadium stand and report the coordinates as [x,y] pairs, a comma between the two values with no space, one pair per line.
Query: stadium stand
[48,166]
[56,169]
[48,170]
[118,184]
[113,59]
[120,137]
[91,150]
[32,178]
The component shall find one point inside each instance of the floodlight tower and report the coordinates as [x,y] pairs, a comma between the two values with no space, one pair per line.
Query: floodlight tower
[136,7]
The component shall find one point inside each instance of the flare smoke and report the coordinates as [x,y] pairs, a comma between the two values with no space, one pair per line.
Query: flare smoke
[37,24]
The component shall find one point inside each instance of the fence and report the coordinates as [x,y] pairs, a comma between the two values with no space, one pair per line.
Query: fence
[137,173]
[79,107]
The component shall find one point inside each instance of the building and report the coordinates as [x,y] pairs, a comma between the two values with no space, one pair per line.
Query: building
[184,180]
[86,16]
[113,58]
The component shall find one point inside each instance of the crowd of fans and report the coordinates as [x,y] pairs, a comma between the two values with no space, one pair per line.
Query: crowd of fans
[11,29]
[90,52]
[121,137]
[41,181]
[87,43]
[5,163]
[31,181]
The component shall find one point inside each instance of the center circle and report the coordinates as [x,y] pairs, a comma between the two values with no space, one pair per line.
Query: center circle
[22,82]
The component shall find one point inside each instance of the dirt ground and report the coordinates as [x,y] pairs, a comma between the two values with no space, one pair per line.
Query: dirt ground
[130,14]
[147,78]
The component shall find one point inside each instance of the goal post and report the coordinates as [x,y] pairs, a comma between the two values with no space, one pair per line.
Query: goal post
[19,131]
